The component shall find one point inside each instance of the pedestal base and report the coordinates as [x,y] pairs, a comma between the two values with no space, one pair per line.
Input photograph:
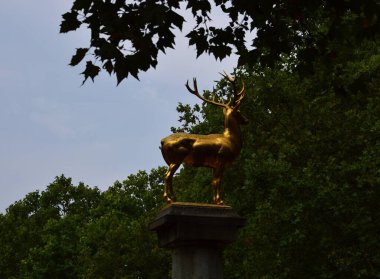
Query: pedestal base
[196,234]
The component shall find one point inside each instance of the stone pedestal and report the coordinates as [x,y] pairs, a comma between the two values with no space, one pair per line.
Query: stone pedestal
[196,235]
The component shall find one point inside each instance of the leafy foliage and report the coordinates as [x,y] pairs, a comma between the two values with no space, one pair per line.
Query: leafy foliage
[126,36]
[308,177]
[77,232]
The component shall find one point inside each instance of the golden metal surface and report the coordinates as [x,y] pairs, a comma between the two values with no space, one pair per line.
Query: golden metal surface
[215,151]
[196,204]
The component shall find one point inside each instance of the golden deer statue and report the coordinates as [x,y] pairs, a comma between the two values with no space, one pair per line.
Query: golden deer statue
[215,151]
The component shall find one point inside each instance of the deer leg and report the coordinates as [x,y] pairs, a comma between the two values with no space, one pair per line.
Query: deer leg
[168,187]
[217,176]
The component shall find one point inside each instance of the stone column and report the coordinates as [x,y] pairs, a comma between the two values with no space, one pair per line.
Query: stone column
[196,234]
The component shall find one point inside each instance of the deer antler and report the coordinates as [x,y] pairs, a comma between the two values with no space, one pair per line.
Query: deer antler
[196,93]
[238,96]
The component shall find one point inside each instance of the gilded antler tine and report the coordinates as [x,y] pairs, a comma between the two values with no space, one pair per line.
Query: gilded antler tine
[228,77]
[242,91]
[240,95]
[196,93]
[229,101]
[195,86]
[187,86]
[232,80]
[192,91]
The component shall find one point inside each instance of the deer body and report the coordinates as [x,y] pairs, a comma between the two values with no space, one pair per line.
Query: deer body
[215,151]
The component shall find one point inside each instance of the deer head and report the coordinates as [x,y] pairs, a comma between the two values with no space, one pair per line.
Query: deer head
[232,107]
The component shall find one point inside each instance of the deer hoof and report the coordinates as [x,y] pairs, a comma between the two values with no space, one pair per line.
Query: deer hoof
[218,201]
[168,199]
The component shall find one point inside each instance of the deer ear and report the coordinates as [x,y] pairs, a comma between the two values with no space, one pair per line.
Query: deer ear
[224,111]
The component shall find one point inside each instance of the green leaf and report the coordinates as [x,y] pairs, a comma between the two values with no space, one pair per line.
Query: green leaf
[198,38]
[220,52]
[78,56]
[175,18]
[91,71]
[174,3]
[166,40]
[70,22]
[108,66]
[82,5]
[121,69]
[203,6]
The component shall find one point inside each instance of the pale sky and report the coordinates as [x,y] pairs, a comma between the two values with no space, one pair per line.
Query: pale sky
[97,133]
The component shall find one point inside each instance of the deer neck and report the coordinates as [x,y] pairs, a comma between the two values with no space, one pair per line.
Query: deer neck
[232,130]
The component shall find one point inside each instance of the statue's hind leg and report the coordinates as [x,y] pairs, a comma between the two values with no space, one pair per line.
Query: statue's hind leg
[216,180]
[168,186]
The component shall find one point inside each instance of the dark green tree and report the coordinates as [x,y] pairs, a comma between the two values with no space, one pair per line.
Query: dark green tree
[126,36]
[71,231]
[19,231]
[308,177]
[116,243]
[38,233]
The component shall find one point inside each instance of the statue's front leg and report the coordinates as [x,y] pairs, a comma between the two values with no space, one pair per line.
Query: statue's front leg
[168,183]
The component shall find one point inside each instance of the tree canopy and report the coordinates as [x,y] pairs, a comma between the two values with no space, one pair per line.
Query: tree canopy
[70,231]
[308,177]
[127,35]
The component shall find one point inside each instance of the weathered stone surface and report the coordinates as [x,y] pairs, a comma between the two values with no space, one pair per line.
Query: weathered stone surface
[196,234]
[197,262]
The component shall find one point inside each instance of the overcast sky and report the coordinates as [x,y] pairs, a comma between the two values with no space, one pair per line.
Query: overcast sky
[97,133]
